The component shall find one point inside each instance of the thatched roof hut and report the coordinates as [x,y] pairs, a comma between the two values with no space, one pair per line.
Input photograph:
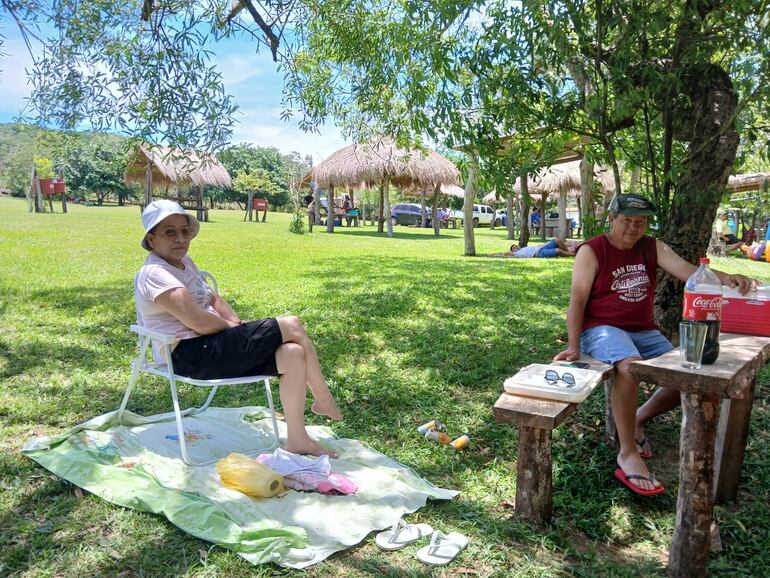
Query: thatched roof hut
[167,167]
[558,178]
[381,159]
[175,167]
[381,163]
[748,182]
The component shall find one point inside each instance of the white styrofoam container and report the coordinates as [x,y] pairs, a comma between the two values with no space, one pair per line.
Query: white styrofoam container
[530,381]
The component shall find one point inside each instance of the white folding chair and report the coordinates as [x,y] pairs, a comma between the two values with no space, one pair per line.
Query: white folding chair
[142,365]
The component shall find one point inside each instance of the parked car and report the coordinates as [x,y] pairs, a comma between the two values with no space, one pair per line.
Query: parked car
[482,215]
[411,214]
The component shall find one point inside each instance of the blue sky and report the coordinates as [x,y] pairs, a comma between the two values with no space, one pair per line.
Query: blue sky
[251,78]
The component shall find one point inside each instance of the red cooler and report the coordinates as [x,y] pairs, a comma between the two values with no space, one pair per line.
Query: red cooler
[747,314]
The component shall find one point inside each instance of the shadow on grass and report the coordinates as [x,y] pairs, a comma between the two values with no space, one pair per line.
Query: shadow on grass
[398,233]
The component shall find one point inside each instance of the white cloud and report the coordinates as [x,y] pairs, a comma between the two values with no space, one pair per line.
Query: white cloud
[267,130]
[14,88]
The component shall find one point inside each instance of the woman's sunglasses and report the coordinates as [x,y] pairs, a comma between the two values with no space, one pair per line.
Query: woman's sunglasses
[552,377]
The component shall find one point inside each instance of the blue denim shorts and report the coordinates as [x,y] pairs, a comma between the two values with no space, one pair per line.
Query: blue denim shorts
[610,344]
[548,250]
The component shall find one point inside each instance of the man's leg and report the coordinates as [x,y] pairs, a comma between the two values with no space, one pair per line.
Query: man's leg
[616,347]
[625,391]
[651,344]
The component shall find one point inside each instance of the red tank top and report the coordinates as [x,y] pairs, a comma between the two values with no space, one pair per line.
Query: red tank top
[623,293]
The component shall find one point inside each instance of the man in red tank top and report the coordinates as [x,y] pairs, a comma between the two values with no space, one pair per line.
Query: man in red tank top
[611,318]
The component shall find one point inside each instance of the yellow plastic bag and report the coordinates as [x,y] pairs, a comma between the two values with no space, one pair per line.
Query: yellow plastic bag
[244,474]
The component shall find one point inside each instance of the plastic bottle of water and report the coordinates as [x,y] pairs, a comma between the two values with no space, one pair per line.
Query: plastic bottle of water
[703,304]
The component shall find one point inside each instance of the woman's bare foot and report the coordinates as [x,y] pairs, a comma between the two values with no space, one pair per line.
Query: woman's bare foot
[308,447]
[328,408]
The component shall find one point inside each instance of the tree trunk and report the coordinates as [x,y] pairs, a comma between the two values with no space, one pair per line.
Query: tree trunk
[710,156]
[510,224]
[636,179]
[543,199]
[434,218]
[470,193]
[587,206]
[526,201]
[330,210]
[380,219]
[562,207]
[386,206]
[316,205]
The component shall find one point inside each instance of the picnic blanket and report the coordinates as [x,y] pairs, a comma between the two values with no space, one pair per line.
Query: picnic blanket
[138,466]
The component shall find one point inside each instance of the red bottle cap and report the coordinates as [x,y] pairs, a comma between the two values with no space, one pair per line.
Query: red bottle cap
[704,261]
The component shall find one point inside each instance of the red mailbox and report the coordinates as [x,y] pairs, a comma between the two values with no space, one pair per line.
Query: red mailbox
[59,186]
[46,186]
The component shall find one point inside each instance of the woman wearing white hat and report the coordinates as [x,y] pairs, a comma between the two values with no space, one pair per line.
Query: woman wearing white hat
[172,298]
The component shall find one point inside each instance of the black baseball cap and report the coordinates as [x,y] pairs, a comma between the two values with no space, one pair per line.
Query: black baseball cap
[632,204]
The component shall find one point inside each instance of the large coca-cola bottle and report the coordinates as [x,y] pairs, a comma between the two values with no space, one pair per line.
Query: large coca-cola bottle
[703,304]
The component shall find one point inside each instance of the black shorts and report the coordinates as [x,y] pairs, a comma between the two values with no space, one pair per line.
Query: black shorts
[248,349]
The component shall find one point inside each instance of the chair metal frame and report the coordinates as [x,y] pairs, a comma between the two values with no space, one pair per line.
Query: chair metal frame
[141,365]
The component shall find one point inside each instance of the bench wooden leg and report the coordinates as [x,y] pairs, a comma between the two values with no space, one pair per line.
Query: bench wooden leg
[610,428]
[534,491]
[732,433]
[692,534]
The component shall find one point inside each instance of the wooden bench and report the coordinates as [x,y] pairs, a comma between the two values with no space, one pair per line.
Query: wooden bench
[536,418]
[202,214]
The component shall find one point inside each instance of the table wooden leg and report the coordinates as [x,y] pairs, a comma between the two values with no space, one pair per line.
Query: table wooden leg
[534,491]
[690,545]
[732,433]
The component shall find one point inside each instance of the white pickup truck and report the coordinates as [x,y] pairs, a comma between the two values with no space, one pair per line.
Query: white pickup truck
[482,215]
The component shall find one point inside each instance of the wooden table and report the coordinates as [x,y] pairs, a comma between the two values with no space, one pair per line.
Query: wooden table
[711,445]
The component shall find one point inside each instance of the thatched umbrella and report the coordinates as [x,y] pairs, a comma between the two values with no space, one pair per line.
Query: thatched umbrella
[167,167]
[564,179]
[748,182]
[381,162]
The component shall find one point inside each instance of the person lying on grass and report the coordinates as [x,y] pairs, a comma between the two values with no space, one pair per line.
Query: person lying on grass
[213,342]
[611,318]
[556,247]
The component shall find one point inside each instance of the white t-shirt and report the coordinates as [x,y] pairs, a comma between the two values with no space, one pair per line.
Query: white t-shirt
[528,251]
[155,278]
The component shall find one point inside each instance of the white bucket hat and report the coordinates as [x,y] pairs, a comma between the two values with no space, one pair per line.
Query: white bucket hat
[156,211]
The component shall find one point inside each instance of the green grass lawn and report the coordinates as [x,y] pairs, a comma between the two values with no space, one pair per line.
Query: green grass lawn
[407,330]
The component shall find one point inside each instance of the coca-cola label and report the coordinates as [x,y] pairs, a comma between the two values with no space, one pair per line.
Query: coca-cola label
[702,306]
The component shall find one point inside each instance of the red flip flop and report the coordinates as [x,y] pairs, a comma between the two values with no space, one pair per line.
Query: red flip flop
[645,447]
[626,481]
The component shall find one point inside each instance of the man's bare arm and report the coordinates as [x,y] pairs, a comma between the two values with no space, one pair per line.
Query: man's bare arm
[681,269]
[583,275]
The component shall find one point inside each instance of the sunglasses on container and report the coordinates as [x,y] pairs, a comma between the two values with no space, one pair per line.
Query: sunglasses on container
[552,377]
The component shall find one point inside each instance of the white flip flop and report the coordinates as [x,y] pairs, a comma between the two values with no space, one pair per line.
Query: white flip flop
[442,548]
[401,534]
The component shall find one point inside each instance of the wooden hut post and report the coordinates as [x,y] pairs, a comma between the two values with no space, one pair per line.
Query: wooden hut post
[543,198]
[423,220]
[434,218]
[330,210]
[380,220]
[148,183]
[386,205]
[511,221]
[199,204]
[526,201]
